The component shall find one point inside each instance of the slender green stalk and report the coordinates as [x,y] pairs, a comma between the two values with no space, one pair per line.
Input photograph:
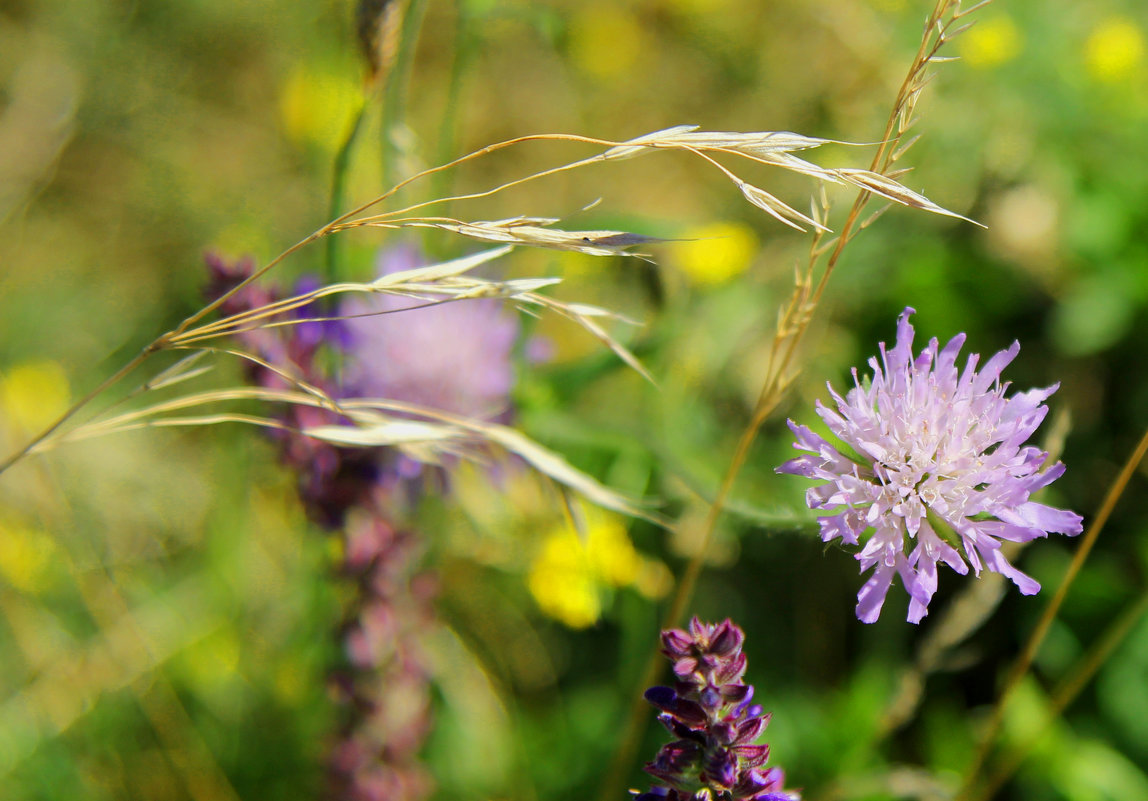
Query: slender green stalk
[398,84]
[339,170]
[1066,692]
[1024,661]
[448,128]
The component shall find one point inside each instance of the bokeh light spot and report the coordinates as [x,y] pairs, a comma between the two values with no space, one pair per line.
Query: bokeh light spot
[1113,50]
[715,253]
[991,42]
[605,40]
[26,557]
[316,107]
[570,573]
[33,394]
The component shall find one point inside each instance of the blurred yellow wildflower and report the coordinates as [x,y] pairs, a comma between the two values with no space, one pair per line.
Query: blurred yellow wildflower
[991,42]
[316,107]
[26,558]
[33,395]
[568,574]
[1113,50]
[715,253]
[605,39]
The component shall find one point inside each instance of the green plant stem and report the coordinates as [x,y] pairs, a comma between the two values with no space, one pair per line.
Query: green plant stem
[1024,661]
[339,189]
[398,79]
[1066,692]
[448,128]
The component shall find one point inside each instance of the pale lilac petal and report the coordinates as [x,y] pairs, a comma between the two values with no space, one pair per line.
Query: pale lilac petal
[872,595]
[1058,521]
[1011,527]
[941,550]
[844,525]
[1026,584]
[991,372]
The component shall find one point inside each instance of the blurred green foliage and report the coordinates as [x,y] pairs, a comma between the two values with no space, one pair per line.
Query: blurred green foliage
[166,614]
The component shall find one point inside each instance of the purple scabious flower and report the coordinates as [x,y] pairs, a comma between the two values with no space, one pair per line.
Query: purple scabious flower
[934,469]
[710,710]
[452,356]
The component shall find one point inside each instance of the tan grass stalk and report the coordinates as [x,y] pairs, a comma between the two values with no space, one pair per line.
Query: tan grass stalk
[1024,661]
[530,231]
[768,147]
[1067,690]
[375,423]
[793,321]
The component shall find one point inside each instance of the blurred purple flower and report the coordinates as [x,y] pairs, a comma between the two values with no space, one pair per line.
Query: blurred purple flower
[934,466]
[709,710]
[385,689]
[453,356]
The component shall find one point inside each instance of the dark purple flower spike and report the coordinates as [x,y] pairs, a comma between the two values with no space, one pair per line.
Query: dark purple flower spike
[710,713]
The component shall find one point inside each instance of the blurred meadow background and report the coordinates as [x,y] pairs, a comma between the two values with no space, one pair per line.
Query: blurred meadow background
[168,613]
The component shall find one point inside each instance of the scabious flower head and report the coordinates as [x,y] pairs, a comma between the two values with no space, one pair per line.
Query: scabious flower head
[709,710]
[453,357]
[935,470]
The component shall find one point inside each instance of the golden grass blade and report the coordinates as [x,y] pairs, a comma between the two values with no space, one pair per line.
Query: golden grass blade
[551,464]
[532,232]
[776,208]
[447,269]
[891,190]
[182,370]
[641,144]
[581,314]
[384,432]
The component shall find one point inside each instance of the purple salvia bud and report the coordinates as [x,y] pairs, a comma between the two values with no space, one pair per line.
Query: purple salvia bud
[731,670]
[722,768]
[737,693]
[682,709]
[710,697]
[655,794]
[749,730]
[661,697]
[709,710]
[723,732]
[727,639]
[676,643]
[752,756]
[685,667]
